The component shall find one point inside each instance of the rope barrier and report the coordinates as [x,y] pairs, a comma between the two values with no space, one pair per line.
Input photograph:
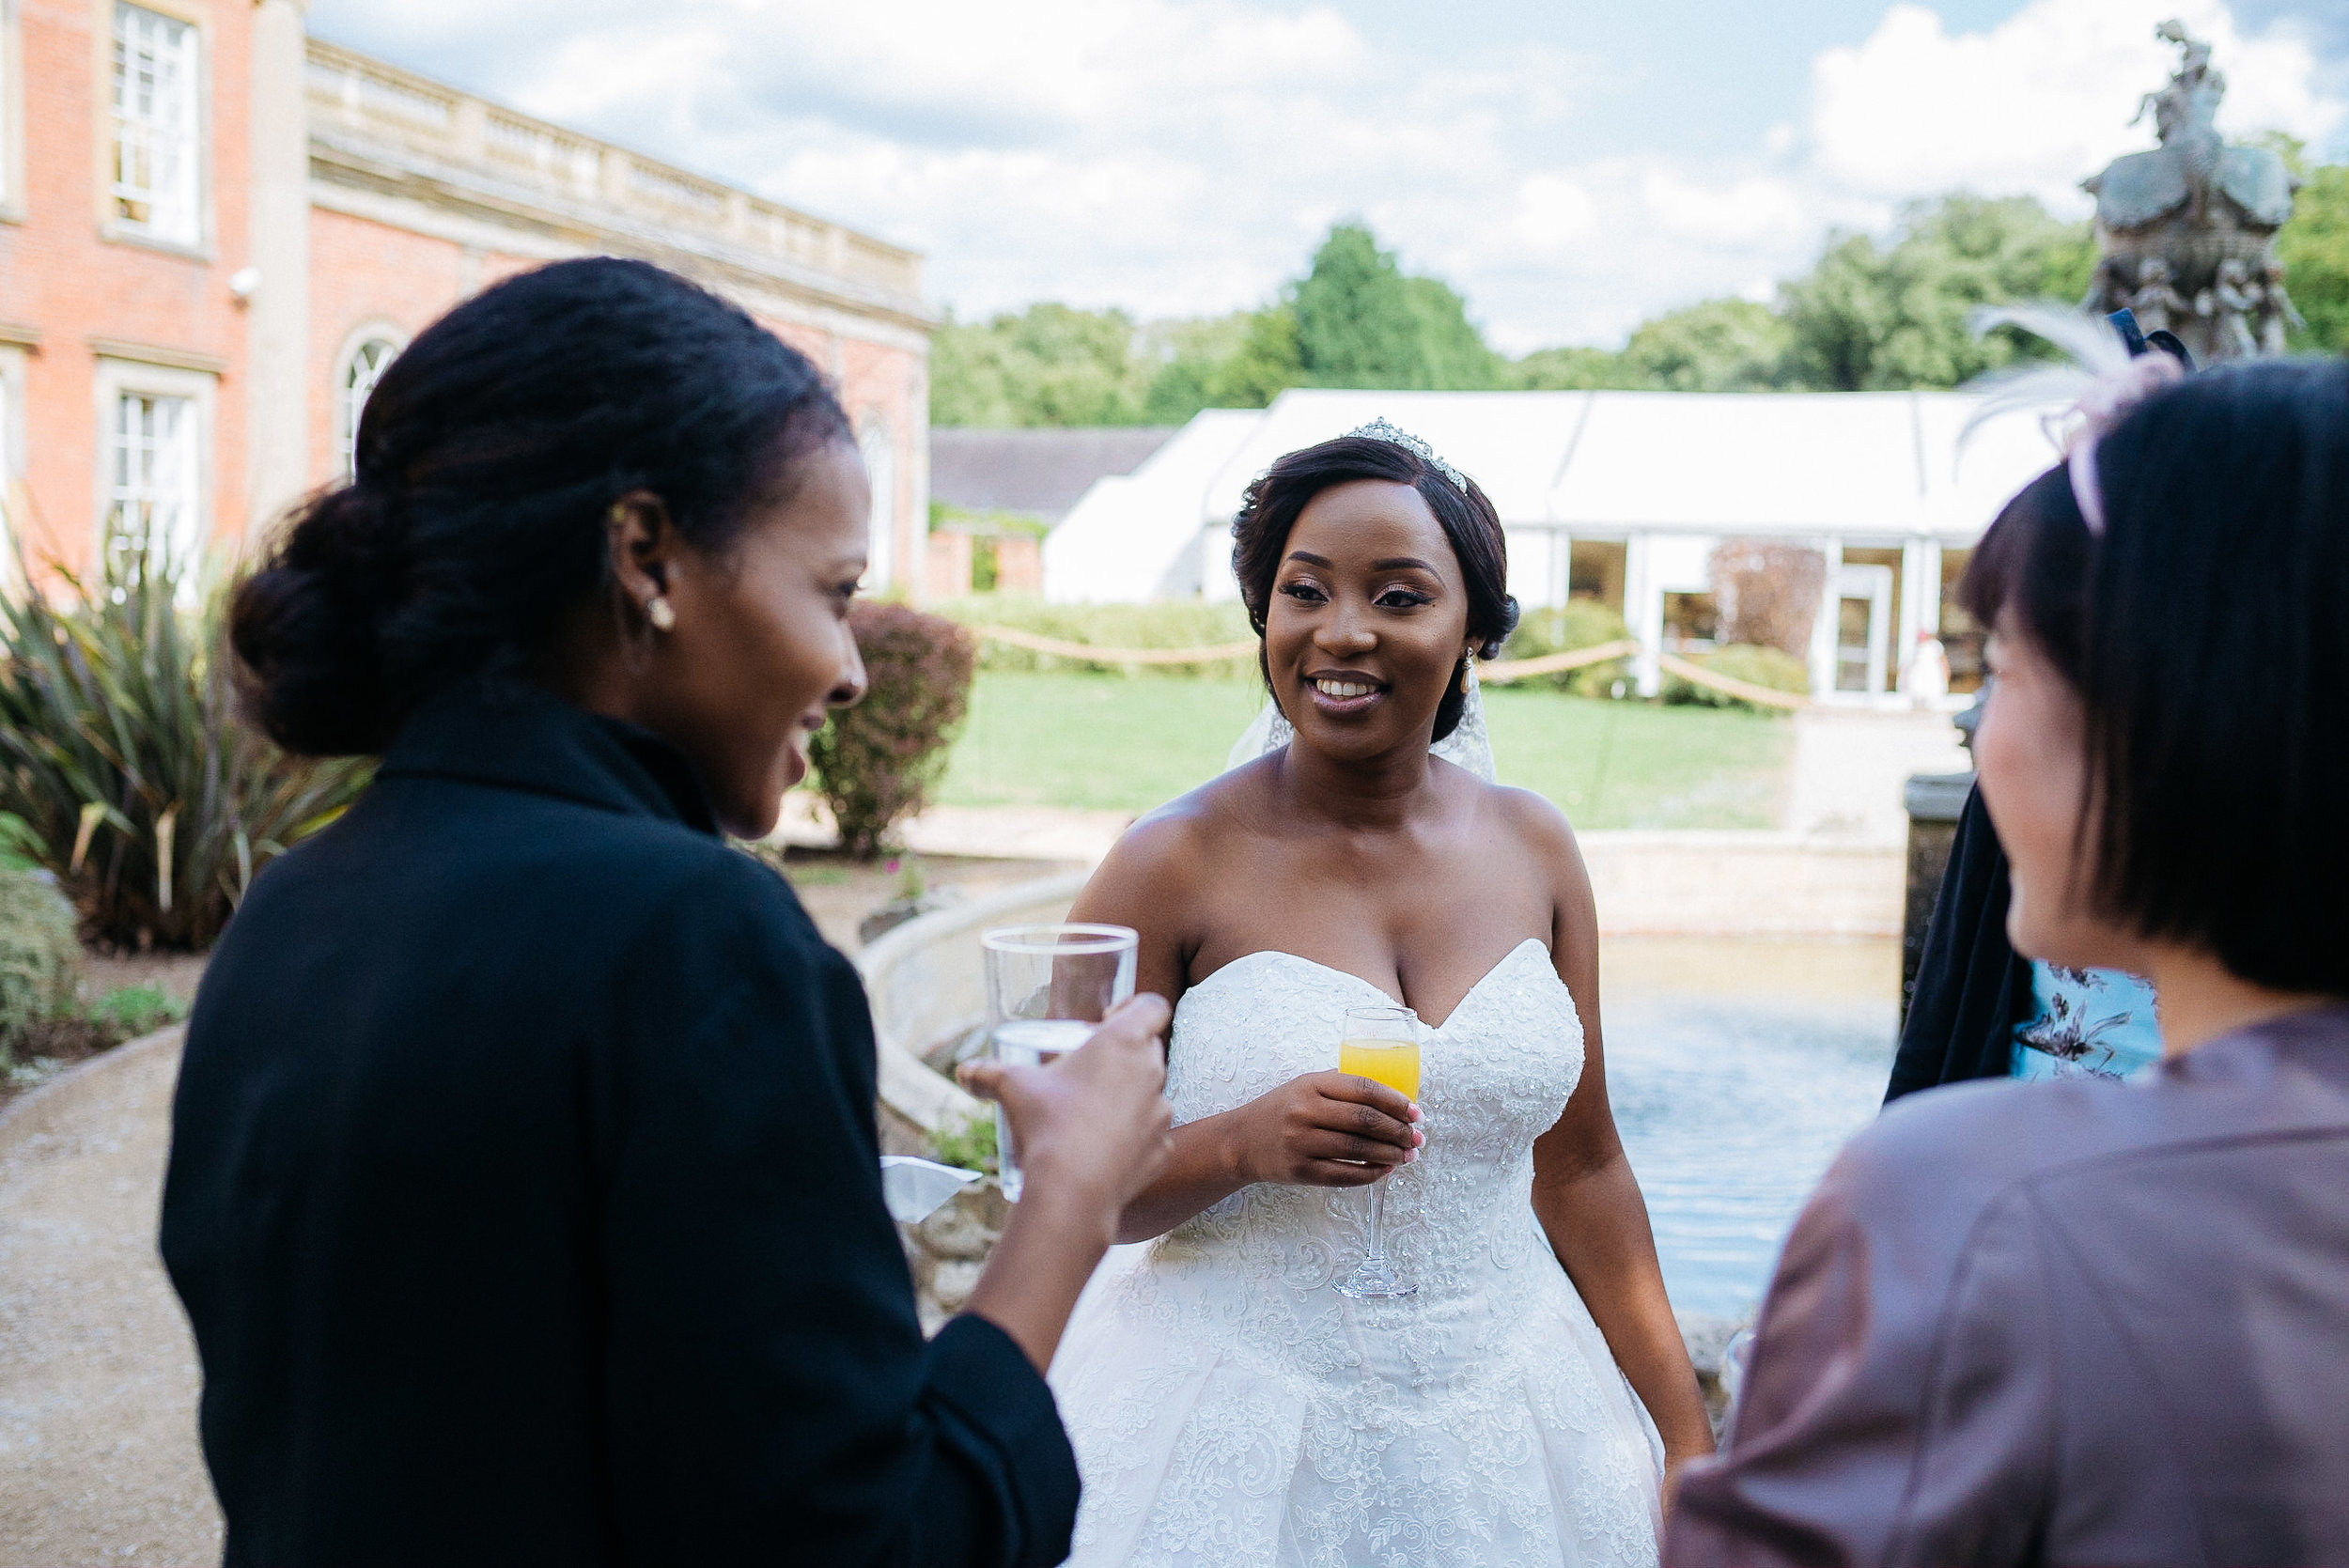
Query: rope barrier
[1744,690]
[1086,651]
[1498,671]
[1502,671]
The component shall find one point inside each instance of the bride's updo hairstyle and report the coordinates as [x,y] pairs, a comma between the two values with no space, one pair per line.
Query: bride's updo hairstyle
[488,460]
[2206,634]
[1271,506]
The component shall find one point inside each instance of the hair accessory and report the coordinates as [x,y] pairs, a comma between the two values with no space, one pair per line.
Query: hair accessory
[2111,367]
[2099,409]
[659,613]
[1378,430]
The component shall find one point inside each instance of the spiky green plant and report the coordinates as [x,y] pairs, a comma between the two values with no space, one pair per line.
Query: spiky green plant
[121,749]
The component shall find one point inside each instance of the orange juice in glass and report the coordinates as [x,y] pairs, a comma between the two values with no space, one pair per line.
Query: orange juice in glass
[1380,1044]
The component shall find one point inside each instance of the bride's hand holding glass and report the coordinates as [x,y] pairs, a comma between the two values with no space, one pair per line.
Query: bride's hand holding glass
[1326,1129]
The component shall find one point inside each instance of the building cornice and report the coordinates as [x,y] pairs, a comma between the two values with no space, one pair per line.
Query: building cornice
[150,353]
[377,130]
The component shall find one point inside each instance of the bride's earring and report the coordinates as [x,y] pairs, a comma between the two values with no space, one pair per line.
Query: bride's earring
[1468,662]
[663,617]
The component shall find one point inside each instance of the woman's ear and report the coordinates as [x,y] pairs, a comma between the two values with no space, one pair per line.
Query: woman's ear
[642,544]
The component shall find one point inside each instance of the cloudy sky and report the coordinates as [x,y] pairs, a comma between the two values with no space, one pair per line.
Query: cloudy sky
[1571,168]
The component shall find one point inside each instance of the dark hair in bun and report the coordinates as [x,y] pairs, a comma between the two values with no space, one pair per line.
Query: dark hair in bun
[1260,535]
[487,464]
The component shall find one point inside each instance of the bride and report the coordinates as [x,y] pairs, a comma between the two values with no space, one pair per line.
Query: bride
[1228,1405]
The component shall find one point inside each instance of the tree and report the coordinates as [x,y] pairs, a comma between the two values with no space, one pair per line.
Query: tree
[1363,322]
[1049,365]
[2314,247]
[1866,320]
[1240,360]
[1718,346]
[1574,370]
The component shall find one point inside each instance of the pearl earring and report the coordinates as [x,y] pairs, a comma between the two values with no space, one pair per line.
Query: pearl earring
[657,610]
[1468,662]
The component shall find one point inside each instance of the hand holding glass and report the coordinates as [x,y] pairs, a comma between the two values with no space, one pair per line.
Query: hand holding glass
[1380,1044]
[1047,988]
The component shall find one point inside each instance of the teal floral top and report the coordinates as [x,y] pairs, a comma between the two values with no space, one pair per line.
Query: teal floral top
[2087,1023]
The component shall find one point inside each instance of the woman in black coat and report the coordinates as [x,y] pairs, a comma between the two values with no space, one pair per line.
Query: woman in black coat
[523,1190]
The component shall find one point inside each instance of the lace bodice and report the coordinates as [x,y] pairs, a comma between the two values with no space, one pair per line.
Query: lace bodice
[1492,1078]
[1229,1406]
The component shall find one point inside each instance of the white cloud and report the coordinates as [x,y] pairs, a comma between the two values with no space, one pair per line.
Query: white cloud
[2039,101]
[1554,211]
[1183,156]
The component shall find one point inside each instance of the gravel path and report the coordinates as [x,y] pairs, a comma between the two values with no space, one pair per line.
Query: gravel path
[98,1461]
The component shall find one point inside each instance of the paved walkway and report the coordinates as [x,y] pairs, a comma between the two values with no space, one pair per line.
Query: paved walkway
[99,1460]
[1849,766]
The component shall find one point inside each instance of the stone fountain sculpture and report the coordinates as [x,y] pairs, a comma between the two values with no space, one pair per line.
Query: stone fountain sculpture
[2186,233]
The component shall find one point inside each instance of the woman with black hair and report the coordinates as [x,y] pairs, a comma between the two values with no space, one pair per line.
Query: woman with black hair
[523,1190]
[1230,1401]
[2080,1321]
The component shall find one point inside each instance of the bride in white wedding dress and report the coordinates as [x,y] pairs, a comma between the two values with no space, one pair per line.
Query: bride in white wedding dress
[1229,1406]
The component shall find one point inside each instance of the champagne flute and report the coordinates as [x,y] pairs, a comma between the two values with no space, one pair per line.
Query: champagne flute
[1380,1044]
[1047,988]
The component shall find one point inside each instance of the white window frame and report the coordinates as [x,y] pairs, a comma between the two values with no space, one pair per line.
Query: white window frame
[171,120]
[340,395]
[120,378]
[13,490]
[877,443]
[11,112]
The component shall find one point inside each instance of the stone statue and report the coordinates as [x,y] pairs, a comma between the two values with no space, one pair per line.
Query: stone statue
[2227,304]
[2168,220]
[2158,307]
[2278,318]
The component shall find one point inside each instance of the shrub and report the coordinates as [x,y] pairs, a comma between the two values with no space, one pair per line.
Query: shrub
[20,848]
[1561,629]
[120,750]
[971,1147]
[1775,668]
[876,762]
[40,962]
[1160,624]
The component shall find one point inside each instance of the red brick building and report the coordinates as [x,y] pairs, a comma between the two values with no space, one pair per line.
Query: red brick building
[215,232]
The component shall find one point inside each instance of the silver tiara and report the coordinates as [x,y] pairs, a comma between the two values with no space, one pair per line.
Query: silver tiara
[1378,430]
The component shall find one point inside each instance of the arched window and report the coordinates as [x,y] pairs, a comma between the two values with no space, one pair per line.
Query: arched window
[361,368]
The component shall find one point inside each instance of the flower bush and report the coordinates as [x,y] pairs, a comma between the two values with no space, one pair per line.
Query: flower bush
[875,763]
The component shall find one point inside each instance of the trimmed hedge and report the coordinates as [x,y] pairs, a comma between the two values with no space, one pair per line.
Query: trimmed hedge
[1164,624]
[1774,668]
[1579,623]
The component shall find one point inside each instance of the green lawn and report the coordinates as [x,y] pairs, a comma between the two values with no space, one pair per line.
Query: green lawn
[1105,742]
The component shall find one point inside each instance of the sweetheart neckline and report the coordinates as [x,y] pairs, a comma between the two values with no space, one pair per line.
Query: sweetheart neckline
[1499,964]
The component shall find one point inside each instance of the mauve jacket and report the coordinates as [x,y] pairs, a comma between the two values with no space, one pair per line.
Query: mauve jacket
[2064,1323]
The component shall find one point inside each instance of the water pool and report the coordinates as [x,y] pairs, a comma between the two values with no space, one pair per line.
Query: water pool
[1736,1069]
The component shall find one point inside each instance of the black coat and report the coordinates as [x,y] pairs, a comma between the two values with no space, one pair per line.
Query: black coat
[524,1197]
[1972,988]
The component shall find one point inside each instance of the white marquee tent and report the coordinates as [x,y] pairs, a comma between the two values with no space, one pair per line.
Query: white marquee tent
[1617,495]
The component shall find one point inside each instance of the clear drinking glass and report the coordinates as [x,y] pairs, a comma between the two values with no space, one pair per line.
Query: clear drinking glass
[1047,988]
[1380,1044]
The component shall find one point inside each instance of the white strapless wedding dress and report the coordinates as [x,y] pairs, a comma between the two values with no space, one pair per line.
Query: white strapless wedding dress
[1230,1409]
